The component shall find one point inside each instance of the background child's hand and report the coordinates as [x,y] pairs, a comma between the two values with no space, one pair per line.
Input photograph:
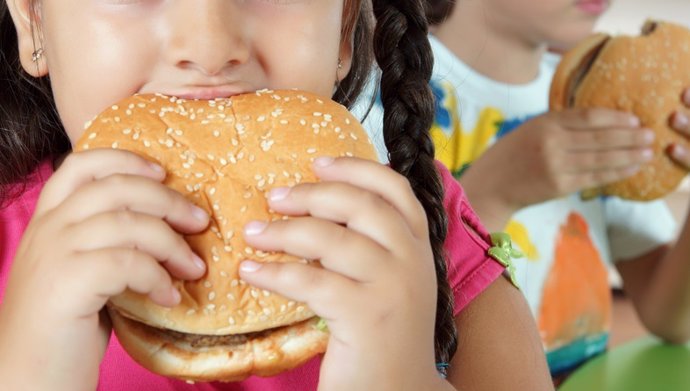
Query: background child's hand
[556,154]
[681,122]
[103,223]
[377,290]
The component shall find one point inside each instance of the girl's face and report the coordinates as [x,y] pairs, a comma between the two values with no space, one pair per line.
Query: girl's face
[97,52]
[559,23]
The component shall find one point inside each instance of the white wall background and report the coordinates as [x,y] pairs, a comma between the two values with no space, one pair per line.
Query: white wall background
[627,16]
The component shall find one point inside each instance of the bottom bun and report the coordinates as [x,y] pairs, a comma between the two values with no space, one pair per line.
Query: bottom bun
[264,353]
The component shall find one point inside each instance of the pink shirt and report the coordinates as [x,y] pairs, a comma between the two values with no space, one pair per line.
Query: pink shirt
[470,271]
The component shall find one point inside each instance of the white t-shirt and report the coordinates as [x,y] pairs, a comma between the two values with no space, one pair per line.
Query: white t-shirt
[567,243]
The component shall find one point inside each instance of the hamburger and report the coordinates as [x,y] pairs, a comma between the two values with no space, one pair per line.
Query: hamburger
[644,75]
[224,155]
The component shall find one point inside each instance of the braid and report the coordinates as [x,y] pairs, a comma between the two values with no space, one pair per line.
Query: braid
[404,55]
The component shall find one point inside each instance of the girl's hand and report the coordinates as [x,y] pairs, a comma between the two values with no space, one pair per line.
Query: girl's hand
[377,287]
[680,120]
[103,223]
[556,154]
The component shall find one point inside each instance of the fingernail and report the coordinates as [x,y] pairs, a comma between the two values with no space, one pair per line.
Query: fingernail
[678,152]
[156,167]
[279,193]
[649,136]
[634,121]
[199,213]
[198,262]
[254,228]
[647,154]
[323,161]
[250,266]
[680,121]
[175,295]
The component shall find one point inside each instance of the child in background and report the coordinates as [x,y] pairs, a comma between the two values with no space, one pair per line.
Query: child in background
[522,170]
[103,219]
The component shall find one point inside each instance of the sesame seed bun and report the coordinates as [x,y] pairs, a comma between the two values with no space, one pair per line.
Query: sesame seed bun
[644,75]
[225,155]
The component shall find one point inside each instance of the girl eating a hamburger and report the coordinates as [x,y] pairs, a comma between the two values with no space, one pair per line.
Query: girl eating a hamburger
[406,288]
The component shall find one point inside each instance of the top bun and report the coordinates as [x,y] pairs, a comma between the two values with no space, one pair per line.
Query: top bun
[224,155]
[644,75]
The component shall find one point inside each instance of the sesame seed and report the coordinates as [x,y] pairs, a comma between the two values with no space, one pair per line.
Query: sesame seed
[212,296]
[317,114]
[311,150]
[115,144]
[191,312]
[92,136]
[207,284]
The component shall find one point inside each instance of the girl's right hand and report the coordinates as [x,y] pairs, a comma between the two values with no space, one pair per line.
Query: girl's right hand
[104,223]
[556,154]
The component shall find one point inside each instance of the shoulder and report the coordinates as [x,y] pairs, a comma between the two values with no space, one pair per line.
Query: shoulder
[470,269]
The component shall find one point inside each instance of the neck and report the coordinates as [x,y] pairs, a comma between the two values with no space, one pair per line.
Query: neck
[474,35]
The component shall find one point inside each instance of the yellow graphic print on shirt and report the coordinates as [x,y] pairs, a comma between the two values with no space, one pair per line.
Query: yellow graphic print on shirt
[457,149]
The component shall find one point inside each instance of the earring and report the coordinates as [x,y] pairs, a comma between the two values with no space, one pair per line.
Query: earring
[340,64]
[37,55]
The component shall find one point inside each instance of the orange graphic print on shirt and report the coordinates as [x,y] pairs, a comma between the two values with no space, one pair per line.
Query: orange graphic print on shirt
[576,299]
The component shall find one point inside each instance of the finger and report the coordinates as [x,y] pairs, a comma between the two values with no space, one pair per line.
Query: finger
[127,229]
[588,118]
[679,154]
[581,162]
[101,274]
[380,180]
[83,167]
[681,123]
[599,178]
[338,248]
[686,97]
[357,208]
[318,288]
[609,138]
[138,194]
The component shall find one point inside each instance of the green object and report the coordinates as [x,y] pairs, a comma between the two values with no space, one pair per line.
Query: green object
[642,365]
[322,325]
[502,250]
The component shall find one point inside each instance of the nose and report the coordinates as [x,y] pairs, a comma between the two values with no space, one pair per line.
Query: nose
[207,35]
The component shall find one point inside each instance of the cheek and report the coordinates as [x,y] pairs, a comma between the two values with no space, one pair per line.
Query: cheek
[91,64]
[304,55]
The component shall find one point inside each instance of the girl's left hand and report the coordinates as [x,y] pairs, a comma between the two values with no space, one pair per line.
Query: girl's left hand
[680,121]
[377,287]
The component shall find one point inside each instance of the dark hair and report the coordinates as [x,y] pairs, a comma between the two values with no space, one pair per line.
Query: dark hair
[403,53]
[437,11]
[30,129]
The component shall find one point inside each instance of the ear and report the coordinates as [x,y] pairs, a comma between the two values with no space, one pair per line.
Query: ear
[345,58]
[25,16]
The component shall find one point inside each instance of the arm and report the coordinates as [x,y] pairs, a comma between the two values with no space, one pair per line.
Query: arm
[497,335]
[657,283]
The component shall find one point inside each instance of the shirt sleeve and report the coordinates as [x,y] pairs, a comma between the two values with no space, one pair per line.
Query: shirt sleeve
[470,269]
[635,228]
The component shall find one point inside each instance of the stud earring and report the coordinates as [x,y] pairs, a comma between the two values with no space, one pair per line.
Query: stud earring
[340,64]
[37,55]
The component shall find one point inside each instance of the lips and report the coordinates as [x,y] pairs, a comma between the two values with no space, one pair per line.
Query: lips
[593,7]
[207,92]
